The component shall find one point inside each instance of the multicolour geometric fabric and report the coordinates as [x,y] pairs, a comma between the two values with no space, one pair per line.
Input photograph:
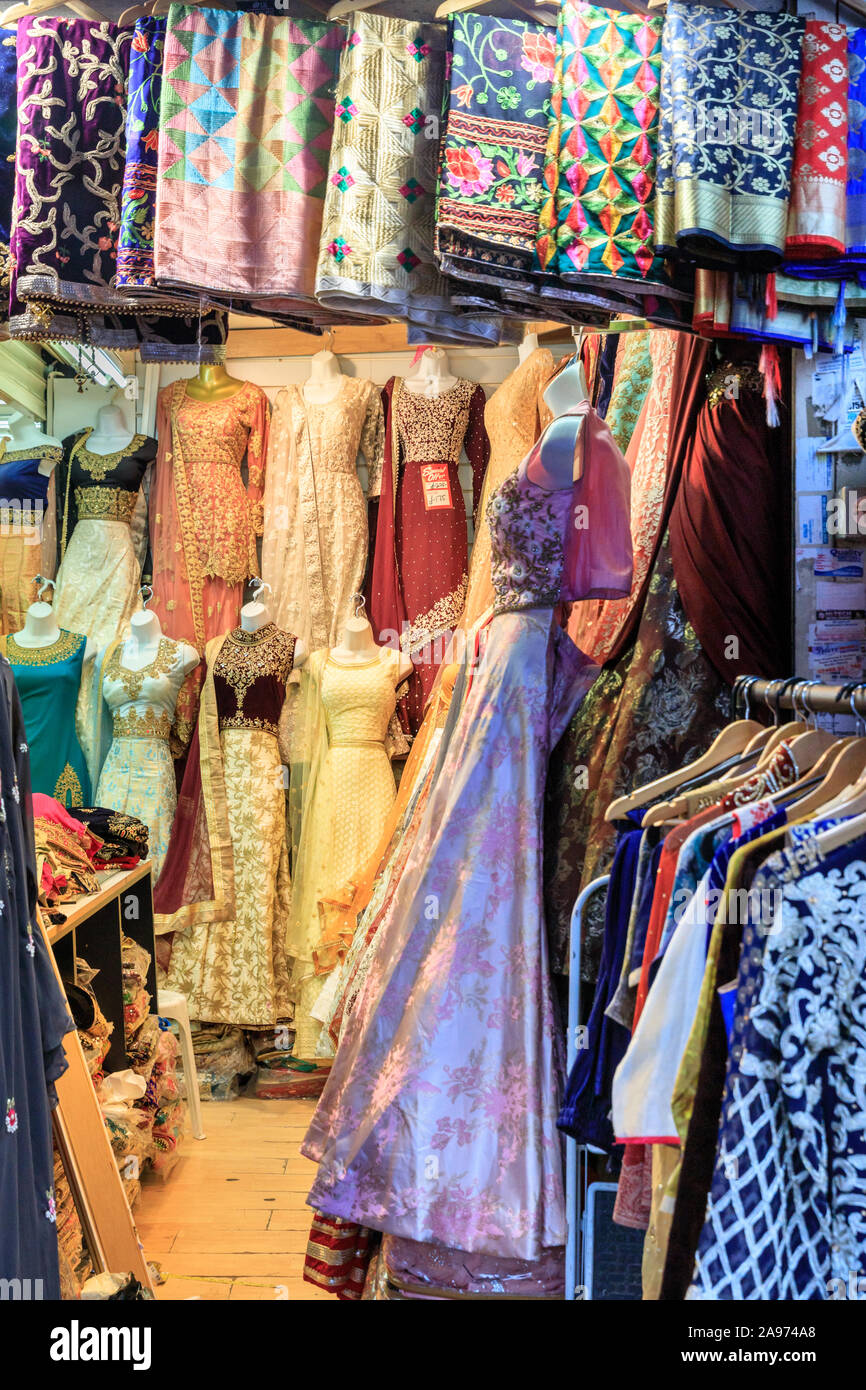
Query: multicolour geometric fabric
[600,178]
[138,200]
[496,132]
[246,121]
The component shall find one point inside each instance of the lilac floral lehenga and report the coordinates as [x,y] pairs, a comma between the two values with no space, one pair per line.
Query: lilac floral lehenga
[438,1121]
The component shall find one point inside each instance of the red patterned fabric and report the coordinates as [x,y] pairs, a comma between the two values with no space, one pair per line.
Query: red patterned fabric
[816,213]
[338,1253]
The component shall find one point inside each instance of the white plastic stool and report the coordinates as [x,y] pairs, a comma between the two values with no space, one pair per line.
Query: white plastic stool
[172,1004]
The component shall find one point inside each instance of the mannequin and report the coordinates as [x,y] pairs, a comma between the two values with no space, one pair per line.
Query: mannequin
[357,646]
[41,628]
[527,347]
[434,376]
[212,383]
[255,615]
[325,380]
[558,464]
[22,433]
[111,433]
[145,634]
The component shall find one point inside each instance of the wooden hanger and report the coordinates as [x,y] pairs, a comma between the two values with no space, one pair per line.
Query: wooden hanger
[727,744]
[449,7]
[845,834]
[35,7]
[843,766]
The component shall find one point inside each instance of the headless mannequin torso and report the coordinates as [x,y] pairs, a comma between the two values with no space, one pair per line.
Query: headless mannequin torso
[142,644]
[357,648]
[213,383]
[22,433]
[41,629]
[434,376]
[325,380]
[111,433]
[557,464]
[255,615]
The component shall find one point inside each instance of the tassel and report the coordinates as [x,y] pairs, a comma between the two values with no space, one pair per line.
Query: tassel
[770,301]
[769,366]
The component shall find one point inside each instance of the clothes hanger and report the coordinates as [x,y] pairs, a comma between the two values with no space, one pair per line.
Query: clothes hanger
[780,733]
[129,16]
[34,7]
[850,800]
[449,7]
[730,742]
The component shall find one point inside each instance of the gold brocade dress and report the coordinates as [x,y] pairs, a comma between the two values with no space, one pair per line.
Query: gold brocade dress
[235,971]
[347,807]
[513,417]
[204,520]
[314,550]
[137,776]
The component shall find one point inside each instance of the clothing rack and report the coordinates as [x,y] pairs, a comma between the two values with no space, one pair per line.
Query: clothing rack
[799,695]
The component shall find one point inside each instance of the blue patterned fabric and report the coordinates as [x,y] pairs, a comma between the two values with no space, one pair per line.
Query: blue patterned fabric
[786,1215]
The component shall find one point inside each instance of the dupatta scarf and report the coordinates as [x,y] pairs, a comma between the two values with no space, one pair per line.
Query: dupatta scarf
[197,883]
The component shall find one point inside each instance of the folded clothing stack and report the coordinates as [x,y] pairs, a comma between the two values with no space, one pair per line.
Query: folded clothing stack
[124,839]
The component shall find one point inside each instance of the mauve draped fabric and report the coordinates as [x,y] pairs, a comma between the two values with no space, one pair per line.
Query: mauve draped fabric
[729,538]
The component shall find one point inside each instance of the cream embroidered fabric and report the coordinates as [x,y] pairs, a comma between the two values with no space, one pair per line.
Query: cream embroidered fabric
[314,551]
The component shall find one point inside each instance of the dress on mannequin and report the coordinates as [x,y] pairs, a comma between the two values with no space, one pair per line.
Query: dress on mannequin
[225,886]
[203,521]
[513,417]
[47,663]
[342,790]
[314,551]
[97,494]
[137,685]
[420,563]
[27,460]
[456,1010]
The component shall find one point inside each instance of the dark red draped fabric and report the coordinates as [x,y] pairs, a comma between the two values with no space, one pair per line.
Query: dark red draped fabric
[729,534]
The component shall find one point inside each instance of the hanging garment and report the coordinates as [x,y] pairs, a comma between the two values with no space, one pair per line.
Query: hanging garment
[376,253]
[23,531]
[513,418]
[203,521]
[33,1021]
[132,768]
[8,130]
[602,169]
[100,573]
[785,1214]
[816,213]
[314,551]
[420,561]
[451,1050]
[225,887]
[342,790]
[138,199]
[243,154]
[48,681]
[633,373]
[492,154]
[726,136]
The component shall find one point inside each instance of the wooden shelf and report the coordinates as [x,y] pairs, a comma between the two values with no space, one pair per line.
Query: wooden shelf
[112,884]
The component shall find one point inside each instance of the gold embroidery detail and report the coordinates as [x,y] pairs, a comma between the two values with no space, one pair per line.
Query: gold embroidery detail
[97,465]
[52,453]
[433,427]
[105,504]
[68,782]
[148,724]
[68,644]
[243,659]
[441,618]
[132,680]
[728,378]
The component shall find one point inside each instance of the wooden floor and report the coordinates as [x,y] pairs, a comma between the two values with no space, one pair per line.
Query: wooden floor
[231,1220]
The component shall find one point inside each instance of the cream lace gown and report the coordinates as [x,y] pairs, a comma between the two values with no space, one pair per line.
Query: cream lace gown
[513,417]
[137,776]
[314,551]
[347,806]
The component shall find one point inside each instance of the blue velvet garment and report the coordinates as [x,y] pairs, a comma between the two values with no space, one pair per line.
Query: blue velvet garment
[585,1112]
[33,1021]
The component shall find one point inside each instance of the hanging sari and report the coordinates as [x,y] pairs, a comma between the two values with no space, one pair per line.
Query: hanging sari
[245,126]
[138,200]
[8,127]
[816,214]
[726,138]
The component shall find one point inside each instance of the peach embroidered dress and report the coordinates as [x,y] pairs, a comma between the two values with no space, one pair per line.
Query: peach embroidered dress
[203,519]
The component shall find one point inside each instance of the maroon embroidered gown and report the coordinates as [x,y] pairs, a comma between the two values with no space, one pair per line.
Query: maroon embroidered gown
[421,558]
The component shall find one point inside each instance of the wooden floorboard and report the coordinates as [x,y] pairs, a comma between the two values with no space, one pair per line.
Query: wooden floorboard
[230,1222]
